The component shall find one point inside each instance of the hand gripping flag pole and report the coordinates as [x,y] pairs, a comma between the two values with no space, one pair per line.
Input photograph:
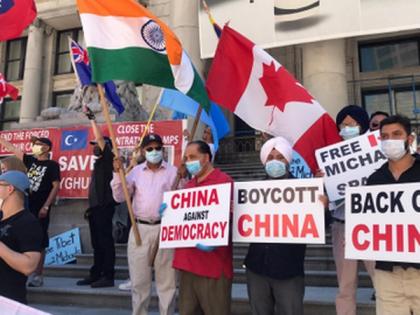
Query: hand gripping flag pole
[121,172]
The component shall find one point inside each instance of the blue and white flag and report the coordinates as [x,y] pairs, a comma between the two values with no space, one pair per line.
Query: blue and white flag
[74,139]
[83,71]
[181,103]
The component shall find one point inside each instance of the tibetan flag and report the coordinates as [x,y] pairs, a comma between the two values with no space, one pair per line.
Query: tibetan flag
[267,97]
[80,61]
[7,89]
[125,41]
[15,16]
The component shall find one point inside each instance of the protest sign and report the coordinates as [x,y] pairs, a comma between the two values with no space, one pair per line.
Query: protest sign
[349,163]
[382,223]
[196,215]
[63,248]
[73,153]
[279,211]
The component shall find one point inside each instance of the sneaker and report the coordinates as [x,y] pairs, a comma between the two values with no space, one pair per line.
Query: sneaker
[102,283]
[125,286]
[36,281]
[86,281]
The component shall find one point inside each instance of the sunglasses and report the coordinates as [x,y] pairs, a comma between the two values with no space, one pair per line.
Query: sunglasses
[150,149]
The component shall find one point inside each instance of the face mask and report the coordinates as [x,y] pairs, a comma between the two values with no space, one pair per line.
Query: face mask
[97,151]
[37,149]
[349,132]
[275,168]
[193,167]
[394,149]
[154,157]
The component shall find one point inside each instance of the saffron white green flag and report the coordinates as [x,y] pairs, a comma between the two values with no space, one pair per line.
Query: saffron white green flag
[125,41]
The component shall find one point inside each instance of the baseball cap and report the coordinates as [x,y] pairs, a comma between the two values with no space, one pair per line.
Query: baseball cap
[42,140]
[107,141]
[151,137]
[17,179]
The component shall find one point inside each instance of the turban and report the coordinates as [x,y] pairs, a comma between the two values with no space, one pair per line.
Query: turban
[278,143]
[357,113]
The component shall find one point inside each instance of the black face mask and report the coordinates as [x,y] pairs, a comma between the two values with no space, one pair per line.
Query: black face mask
[97,151]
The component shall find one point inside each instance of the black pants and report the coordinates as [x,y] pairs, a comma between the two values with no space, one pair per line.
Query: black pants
[270,296]
[100,224]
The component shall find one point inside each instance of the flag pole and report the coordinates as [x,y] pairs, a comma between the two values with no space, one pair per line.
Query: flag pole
[121,173]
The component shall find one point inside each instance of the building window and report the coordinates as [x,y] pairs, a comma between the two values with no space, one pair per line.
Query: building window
[15,59]
[62,99]
[401,100]
[63,62]
[9,113]
[389,55]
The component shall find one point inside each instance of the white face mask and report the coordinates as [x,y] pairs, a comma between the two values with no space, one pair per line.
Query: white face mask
[349,132]
[394,149]
[37,149]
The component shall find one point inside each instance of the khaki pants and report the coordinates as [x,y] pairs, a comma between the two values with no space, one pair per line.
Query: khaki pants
[141,272]
[200,295]
[347,275]
[397,292]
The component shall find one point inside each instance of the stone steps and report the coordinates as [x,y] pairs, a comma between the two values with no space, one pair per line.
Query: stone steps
[63,292]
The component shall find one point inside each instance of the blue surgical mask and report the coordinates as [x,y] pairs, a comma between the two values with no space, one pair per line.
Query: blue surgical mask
[154,157]
[349,132]
[193,167]
[275,168]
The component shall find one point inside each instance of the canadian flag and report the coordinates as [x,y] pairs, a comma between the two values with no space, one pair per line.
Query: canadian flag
[7,89]
[247,81]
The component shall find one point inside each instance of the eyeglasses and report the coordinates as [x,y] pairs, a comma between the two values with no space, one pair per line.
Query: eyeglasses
[150,149]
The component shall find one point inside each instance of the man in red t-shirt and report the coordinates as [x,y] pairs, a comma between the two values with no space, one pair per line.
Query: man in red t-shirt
[205,272]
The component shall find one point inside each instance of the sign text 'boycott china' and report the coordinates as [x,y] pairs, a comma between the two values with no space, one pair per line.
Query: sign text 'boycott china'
[279,211]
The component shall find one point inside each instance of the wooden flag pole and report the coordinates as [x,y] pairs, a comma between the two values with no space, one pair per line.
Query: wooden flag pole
[147,126]
[121,172]
[190,138]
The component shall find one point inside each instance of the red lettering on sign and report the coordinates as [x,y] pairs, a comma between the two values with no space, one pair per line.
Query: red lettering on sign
[309,227]
[241,222]
[355,237]
[175,201]
[372,140]
[289,227]
[385,237]
[413,238]
[262,225]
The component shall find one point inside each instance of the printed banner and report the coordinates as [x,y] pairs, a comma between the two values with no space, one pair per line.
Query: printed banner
[349,163]
[196,215]
[382,223]
[71,148]
[279,211]
[63,248]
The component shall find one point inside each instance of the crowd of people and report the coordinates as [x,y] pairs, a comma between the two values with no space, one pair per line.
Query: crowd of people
[274,272]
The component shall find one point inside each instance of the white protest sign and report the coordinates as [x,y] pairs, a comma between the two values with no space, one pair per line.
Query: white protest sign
[196,215]
[349,163]
[383,223]
[279,211]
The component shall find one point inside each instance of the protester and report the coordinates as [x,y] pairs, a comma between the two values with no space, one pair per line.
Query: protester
[397,284]
[275,272]
[205,272]
[101,211]
[146,184]
[375,120]
[20,237]
[12,163]
[351,121]
[44,178]
[207,137]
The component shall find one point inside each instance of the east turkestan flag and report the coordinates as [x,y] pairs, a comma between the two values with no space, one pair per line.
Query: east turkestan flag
[249,82]
[125,41]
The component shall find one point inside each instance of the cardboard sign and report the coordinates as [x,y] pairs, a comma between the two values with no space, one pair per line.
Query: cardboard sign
[72,151]
[383,223]
[349,163]
[279,211]
[196,215]
[63,248]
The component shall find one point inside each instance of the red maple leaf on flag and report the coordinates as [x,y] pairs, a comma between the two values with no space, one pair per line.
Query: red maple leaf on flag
[281,88]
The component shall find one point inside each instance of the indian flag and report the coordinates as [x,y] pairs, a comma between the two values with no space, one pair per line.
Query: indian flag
[127,42]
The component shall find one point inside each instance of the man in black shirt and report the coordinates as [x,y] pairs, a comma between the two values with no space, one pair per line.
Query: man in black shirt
[100,212]
[44,178]
[20,237]
[397,284]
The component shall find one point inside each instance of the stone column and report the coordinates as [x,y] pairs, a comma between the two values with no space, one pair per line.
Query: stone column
[324,73]
[31,96]
[184,22]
